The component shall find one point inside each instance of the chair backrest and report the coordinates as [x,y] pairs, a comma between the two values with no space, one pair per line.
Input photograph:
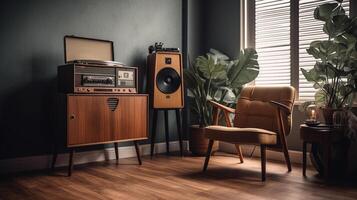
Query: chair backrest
[254,109]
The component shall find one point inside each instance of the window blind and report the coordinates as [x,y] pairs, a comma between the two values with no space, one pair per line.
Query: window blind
[272,41]
[310,29]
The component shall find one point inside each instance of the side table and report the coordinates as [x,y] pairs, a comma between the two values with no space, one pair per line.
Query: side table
[325,136]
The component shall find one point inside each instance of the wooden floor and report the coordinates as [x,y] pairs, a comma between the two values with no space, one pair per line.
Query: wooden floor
[174,178]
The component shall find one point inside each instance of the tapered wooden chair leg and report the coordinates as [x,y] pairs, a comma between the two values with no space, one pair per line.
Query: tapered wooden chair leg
[70,166]
[283,141]
[137,152]
[239,151]
[287,157]
[208,154]
[263,161]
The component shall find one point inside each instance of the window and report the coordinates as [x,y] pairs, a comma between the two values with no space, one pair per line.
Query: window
[310,29]
[281,30]
[272,41]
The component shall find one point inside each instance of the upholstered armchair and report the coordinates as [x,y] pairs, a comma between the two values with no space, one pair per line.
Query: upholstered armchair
[262,117]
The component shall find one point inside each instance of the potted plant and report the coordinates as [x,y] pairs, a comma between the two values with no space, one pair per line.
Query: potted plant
[334,74]
[215,76]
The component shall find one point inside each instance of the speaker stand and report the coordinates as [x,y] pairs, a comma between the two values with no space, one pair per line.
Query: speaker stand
[179,130]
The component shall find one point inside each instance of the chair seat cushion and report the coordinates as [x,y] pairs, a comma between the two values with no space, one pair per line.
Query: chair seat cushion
[241,135]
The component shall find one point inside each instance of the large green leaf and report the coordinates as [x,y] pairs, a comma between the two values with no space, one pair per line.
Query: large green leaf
[337,25]
[217,55]
[227,94]
[245,69]
[313,76]
[210,69]
[349,40]
[320,98]
[326,11]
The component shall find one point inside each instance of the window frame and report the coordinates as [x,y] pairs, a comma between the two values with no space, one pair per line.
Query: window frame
[247,34]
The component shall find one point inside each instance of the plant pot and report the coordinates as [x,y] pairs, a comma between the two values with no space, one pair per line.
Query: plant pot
[328,115]
[198,142]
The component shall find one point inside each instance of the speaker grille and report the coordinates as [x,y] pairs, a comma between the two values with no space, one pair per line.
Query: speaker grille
[112,103]
[168,80]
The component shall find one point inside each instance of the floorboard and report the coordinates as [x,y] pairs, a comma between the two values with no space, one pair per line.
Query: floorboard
[173,177]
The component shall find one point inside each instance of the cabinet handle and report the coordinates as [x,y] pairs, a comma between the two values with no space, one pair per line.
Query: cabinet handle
[72,116]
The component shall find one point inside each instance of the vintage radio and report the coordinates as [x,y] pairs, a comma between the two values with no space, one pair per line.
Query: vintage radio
[90,68]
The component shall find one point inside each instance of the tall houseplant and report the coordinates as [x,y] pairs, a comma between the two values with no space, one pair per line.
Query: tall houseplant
[334,74]
[215,76]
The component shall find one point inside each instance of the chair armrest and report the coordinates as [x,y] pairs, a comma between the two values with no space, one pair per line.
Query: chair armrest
[220,106]
[281,106]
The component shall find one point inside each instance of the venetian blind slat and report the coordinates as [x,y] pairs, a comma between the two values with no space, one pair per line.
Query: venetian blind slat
[310,30]
[272,37]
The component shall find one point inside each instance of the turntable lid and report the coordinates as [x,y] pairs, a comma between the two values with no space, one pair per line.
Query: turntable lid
[79,48]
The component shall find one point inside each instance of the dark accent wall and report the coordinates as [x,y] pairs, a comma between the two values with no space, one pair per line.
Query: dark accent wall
[195,24]
[221,28]
[31,48]
[213,24]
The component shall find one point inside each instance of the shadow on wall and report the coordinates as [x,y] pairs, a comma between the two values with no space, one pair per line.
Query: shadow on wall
[27,113]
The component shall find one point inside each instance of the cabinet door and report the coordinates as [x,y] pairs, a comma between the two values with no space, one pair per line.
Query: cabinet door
[89,120]
[132,118]
[101,119]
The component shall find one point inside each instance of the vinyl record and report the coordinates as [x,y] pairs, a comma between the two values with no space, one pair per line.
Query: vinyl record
[168,80]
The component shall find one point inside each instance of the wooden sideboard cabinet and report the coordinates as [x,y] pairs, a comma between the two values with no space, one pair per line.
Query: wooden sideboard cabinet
[105,118]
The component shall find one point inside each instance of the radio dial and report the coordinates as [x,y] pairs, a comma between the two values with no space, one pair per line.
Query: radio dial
[109,81]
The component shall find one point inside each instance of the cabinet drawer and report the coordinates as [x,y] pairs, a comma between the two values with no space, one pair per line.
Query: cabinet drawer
[95,119]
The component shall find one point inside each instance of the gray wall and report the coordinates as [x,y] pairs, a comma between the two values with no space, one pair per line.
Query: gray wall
[195,24]
[222,26]
[213,24]
[31,39]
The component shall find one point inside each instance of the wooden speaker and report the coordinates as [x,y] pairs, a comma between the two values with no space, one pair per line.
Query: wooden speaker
[166,80]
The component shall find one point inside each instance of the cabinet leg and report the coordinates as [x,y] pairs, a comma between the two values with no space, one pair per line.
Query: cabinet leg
[304,159]
[153,133]
[137,152]
[116,152]
[179,129]
[70,165]
[167,132]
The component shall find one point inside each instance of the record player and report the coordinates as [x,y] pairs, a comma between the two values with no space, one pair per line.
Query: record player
[90,68]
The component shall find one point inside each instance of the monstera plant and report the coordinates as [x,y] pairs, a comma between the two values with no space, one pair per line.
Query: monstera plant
[334,74]
[215,76]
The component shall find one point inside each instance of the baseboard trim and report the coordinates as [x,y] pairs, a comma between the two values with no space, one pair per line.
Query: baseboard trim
[44,161]
[295,156]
